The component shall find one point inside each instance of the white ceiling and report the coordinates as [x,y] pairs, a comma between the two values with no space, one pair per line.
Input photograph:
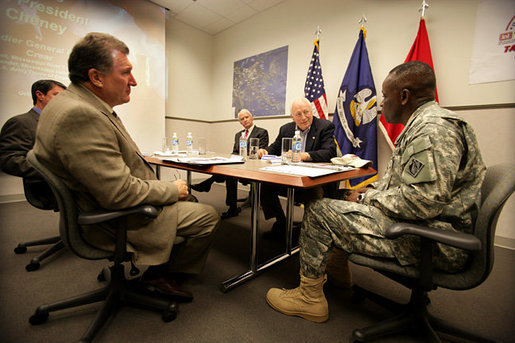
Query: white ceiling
[214,16]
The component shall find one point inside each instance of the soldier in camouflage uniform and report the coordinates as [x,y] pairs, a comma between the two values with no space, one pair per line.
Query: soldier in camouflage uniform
[433,178]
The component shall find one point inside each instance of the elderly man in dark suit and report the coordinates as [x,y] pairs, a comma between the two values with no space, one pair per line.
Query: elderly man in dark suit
[83,141]
[249,131]
[18,136]
[318,146]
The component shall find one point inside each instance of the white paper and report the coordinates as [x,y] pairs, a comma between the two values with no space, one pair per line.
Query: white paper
[206,160]
[300,171]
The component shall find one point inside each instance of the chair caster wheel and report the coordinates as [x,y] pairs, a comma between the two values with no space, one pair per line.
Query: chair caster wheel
[20,250]
[32,266]
[358,336]
[38,318]
[170,313]
[168,316]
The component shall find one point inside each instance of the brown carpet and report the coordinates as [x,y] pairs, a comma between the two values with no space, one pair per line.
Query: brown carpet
[241,315]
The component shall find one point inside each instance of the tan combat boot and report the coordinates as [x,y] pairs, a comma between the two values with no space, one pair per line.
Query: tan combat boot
[306,301]
[337,269]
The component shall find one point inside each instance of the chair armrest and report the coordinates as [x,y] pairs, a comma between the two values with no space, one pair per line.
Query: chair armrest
[456,239]
[99,216]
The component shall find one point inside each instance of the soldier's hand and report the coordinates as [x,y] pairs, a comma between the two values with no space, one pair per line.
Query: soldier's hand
[352,194]
[262,152]
[182,186]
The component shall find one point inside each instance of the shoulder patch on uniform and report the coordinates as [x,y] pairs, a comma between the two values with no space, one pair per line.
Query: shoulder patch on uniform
[415,167]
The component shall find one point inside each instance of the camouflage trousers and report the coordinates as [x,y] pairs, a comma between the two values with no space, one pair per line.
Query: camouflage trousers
[357,228]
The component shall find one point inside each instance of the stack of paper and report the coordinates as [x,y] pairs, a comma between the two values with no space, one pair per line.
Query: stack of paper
[273,159]
[206,160]
[300,170]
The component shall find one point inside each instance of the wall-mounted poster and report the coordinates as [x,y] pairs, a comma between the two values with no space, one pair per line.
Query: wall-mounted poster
[259,83]
[493,57]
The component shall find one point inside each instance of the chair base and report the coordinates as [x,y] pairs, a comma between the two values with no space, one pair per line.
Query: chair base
[118,292]
[35,262]
[413,318]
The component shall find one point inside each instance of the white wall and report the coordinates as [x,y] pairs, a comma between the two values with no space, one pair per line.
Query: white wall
[189,53]
[392,27]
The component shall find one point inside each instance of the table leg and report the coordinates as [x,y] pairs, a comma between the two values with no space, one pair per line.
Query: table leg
[188,180]
[289,218]
[158,171]
[254,268]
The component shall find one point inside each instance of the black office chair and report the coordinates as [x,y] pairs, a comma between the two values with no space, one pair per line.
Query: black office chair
[39,195]
[118,291]
[497,187]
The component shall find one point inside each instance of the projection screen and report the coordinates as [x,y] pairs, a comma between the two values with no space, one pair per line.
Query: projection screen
[36,38]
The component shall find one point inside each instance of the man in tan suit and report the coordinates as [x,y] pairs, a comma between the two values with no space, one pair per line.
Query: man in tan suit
[83,141]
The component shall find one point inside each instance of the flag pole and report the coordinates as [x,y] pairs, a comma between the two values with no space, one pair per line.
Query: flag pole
[422,8]
[318,31]
[362,22]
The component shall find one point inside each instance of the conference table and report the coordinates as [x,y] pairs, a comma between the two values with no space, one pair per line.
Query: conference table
[251,172]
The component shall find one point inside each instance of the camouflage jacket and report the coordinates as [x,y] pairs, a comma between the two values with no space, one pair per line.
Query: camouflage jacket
[434,176]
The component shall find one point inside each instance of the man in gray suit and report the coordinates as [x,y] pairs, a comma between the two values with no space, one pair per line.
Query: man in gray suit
[18,136]
[83,141]
[231,184]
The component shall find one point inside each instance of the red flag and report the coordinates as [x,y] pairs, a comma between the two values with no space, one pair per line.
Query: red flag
[420,51]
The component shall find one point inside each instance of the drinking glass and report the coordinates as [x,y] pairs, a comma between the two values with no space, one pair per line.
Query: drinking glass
[202,146]
[286,150]
[165,147]
[254,148]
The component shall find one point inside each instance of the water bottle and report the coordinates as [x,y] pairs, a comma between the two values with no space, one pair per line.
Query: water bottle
[296,147]
[175,143]
[189,143]
[243,145]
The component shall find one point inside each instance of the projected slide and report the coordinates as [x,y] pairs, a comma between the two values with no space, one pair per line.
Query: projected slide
[36,38]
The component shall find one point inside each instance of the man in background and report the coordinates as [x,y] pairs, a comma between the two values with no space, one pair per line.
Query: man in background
[83,141]
[18,136]
[318,145]
[19,132]
[231,184]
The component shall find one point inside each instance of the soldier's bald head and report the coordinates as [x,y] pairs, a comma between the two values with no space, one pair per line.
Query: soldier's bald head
[418,77]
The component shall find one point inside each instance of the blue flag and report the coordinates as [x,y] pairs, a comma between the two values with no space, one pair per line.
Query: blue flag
[355,116]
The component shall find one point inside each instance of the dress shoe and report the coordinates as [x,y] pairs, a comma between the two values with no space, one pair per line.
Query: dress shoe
[204,186]
[165,285]
[231,212]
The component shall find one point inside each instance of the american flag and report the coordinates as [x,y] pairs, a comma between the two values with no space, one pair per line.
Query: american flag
[314,88]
